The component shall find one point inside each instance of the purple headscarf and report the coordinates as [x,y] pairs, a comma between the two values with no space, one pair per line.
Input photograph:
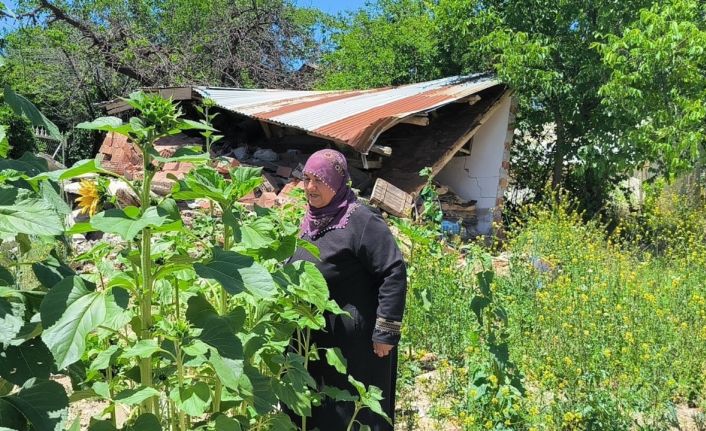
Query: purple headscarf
[330,167]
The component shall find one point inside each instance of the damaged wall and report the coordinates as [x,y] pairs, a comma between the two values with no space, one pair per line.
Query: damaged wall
[477,176]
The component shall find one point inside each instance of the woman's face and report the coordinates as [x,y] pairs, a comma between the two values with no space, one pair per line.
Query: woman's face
[318,194]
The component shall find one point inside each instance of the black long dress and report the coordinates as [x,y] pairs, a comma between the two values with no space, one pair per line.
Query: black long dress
[366,276]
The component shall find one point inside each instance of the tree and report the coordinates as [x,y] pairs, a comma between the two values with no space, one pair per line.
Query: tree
[390,42]
[175,42]
[657,85]
[67,57]
[546,51]
[543,49]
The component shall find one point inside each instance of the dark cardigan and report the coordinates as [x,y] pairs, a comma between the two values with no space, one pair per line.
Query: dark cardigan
[366,276]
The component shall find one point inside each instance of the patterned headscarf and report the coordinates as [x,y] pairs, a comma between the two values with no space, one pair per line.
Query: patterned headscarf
[331,168]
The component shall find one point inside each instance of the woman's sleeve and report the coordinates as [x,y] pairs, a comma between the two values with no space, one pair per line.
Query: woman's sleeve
[379,253]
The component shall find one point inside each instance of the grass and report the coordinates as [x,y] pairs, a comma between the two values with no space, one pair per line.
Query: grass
[609,331]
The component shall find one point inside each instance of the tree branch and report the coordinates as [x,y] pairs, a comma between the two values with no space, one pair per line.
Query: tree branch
[104,46]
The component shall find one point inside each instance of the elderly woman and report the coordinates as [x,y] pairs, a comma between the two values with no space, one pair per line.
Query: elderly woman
[366,276]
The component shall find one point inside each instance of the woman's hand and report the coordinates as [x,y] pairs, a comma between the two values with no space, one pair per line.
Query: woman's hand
[381,349]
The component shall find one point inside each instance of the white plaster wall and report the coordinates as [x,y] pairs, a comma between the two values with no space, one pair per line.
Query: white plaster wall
[476,176]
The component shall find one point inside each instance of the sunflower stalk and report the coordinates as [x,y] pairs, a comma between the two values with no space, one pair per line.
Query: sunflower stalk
[146,294]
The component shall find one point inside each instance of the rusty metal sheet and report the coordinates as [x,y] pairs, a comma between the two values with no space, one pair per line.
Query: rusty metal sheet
[356,117]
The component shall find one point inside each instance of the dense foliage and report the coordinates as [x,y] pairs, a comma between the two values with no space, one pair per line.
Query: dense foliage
[607,331]
[68,57]
[184,329]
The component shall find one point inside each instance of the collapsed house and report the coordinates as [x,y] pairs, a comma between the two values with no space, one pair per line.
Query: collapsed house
[460,127]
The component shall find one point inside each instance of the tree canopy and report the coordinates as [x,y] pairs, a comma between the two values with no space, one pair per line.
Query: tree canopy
[585,74]
[604,86]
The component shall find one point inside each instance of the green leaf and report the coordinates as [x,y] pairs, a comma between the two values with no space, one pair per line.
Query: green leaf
[82,227]
[281,250]
[478,303]
[20,212]
[369,397]
[30,359]
[297,373]
[258,233]
[102,389]
[224,423]
[117,314]
[6,278]
[23,107]
[146,422]
[185,154]
[245,180]
[193,399]
[257,389]
[335,358]
[28,164]
[4,144]
[82,310]
[296,400]
[142,349]
[104,358]
[5,387]
[12,314]
[82,167]
[305,281]
[195,125]
[51,271]
[215,330]
[204,182]
[135,396]
[42,404]
[236,273]
[51,196]
[228,370]
[118,221]
[83,394]
[106,124]
[338,394]
[280,422]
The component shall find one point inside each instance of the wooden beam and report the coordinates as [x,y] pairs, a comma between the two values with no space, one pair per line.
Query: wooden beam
[463,140]
[266,129]
[381,149]
[417,120]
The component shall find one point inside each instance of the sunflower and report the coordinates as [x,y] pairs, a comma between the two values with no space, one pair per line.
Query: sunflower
[89,197]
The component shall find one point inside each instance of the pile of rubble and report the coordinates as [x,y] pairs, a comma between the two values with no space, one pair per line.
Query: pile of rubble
[282,172]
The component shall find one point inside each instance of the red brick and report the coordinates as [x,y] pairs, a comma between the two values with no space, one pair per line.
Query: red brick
[267,200]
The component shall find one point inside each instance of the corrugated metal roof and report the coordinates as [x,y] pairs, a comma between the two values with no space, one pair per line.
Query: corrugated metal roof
[355,117]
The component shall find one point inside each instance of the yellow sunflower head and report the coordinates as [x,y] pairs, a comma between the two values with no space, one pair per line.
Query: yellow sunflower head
[89,197]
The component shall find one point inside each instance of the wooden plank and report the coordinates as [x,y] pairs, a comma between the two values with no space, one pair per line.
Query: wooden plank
[463,140]
[175,93]
[381,149]
[417,120]
[391,199]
